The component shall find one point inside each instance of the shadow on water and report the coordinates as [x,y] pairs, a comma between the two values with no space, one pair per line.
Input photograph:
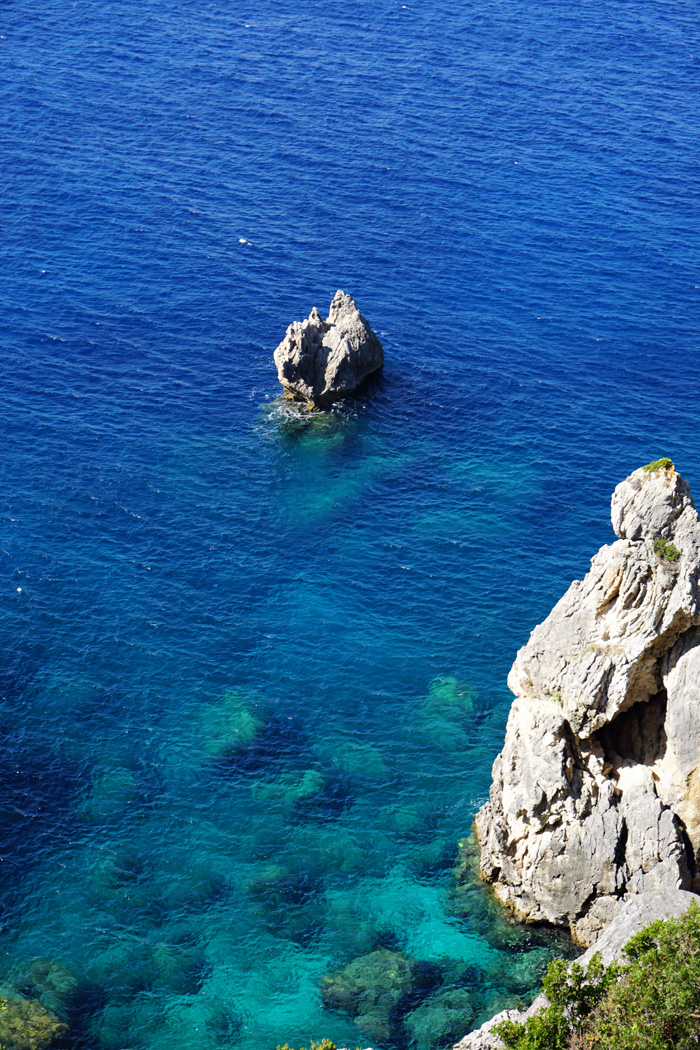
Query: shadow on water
[282,740]
[37,785]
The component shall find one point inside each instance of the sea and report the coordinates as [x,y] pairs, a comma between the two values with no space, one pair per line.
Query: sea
[254,660]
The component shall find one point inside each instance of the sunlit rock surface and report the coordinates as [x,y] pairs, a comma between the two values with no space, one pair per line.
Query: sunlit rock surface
[320,361]
[595,795]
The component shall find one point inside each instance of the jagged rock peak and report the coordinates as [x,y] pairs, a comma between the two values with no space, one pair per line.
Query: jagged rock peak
[596,794]
[598,651]
[320,361]
[650,501]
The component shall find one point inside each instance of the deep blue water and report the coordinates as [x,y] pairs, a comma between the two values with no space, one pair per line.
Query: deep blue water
[510,191]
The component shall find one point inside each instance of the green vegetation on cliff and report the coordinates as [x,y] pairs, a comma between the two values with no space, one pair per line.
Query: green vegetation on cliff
[325,1044]
[651,1001]
[659,464]
[665,549]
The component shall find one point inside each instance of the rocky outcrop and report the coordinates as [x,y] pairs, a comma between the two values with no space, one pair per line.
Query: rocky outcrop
[640,911]
[596,794]
[320,361]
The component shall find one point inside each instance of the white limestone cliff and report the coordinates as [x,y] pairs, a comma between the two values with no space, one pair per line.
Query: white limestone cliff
[596,793]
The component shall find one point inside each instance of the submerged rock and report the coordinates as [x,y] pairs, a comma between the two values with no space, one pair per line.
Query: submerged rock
[596,794]
[50,982]
[230,724]
[449,697]
[199,1022]
[110,794]
[320,361]
[291,789]
[161,966]
[440,1019]
[353,756]
[521,973]
[373,988]
[279,886]
[285,901]
[446,714]
[27,1025]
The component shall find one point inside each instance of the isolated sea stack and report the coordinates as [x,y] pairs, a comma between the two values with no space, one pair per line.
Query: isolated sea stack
[320,361]
[596,794]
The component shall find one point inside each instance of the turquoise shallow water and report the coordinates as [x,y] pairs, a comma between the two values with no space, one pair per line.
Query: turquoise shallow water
[202,884]
[254,663]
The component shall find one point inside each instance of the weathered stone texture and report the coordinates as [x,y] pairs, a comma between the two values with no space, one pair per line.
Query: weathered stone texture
[596,794]
[320,361]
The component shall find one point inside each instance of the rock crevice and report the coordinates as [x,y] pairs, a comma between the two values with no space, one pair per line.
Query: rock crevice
[596,794]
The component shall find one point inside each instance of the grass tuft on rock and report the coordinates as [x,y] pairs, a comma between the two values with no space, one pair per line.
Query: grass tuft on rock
[659,464]
[666,550]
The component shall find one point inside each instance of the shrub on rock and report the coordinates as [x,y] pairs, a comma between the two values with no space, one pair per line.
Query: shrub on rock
[650,1002]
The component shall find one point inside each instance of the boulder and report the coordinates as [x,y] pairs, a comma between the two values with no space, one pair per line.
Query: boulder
[596,793]
[320,361]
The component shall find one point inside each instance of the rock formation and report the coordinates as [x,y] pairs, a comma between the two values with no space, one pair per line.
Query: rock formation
[374,988]
[320,361]
[596,794]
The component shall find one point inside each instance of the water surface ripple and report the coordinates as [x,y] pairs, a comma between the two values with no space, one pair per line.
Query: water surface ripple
[254,663]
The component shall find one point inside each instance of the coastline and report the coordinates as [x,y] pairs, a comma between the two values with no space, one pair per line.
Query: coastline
[596,777]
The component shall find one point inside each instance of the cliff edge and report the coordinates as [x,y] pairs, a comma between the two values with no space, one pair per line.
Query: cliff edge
[596,793]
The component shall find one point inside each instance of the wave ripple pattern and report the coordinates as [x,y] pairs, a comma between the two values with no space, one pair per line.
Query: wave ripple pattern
[253,661]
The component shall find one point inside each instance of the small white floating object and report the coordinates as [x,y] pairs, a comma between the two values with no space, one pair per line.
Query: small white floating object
[242,240]
[19,590]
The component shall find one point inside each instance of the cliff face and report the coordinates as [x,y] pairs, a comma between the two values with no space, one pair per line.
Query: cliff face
[596,794]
